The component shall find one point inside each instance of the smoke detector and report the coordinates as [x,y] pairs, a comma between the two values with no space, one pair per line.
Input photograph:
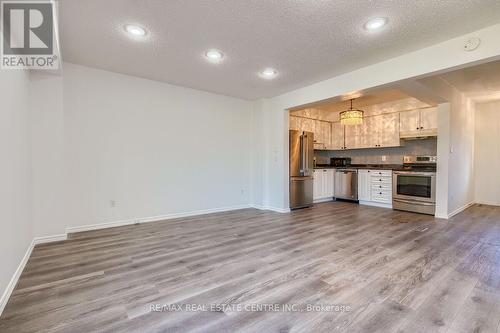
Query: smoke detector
[472,44]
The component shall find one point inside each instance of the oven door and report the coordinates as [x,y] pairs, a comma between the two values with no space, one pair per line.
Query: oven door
[417,186]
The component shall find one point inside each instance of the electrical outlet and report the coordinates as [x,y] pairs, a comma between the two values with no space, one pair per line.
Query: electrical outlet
[112,203]
[384,158]
[242,191]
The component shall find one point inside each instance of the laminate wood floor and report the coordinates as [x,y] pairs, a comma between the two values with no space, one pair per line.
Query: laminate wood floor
[336,267]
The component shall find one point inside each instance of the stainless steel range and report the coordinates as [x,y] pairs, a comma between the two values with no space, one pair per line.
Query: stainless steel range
[414,185]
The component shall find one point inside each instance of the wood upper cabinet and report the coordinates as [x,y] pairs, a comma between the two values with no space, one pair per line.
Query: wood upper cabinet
[322,134]
[388,130]
[375,132]
[369,133]
[417,123]
[409,121]
[327,134]
[307,125]
[428,119]
[384,130]
[351,136]
[337,136]
[302,124]
[294,123]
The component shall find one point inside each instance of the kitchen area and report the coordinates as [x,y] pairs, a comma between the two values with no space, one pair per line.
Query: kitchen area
[377,150]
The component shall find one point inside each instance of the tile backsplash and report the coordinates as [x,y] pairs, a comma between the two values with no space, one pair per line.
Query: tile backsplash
[375,156]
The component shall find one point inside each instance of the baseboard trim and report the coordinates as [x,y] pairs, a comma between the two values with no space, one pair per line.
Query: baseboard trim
[271,208]
[461,209]
[192,213]
[149,219]
[13,281]
[375,204]
[323,200]
[487,203]
[50,239]
[97,226]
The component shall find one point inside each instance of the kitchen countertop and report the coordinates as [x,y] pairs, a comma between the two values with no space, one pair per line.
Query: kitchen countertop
[362,166]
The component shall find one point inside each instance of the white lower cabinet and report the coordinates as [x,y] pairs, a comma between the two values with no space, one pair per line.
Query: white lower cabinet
[323,185]
[375,187]
[364,185]
[317,183]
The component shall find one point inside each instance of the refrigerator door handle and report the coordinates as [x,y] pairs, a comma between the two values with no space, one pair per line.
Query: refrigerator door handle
[302,154]
[306,156]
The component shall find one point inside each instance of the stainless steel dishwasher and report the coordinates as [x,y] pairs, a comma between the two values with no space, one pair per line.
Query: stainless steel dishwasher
[346,184]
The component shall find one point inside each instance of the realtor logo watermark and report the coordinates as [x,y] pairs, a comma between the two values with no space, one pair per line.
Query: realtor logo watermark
[28,35]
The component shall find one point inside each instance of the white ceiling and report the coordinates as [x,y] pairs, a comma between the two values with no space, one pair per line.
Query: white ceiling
[480,83]
[305,40]
[367,99]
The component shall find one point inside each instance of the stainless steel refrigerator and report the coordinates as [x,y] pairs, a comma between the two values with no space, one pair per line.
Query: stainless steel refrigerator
[301,169]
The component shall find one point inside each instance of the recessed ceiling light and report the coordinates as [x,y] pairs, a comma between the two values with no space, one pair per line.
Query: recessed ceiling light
[214,55]
[268,73]
[375,23]
[135,30]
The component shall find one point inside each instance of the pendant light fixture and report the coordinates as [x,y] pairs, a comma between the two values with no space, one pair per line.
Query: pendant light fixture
[351,116]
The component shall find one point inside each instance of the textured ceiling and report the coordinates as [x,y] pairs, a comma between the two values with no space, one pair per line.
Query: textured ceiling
[305,40]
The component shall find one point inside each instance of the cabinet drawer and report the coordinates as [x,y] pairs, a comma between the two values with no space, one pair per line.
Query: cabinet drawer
[381,173]
[381,191]
[381,180]
[382,198]
[381,187]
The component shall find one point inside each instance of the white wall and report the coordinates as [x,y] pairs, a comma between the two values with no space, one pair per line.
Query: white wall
[48,169]
[461,163]
[443,155]
[487,153]
[154,148]
[458,136]
[75,142]
[16,230]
